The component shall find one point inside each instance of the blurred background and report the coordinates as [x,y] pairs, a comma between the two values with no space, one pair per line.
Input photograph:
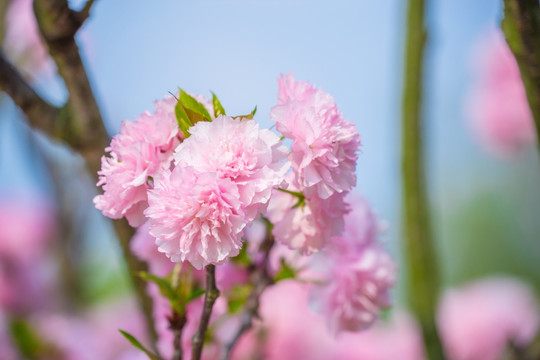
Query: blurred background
[485,204]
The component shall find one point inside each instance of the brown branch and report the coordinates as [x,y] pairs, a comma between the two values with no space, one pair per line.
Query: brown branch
[86,132]
[40,113]
[260,279]
[84,13]
[212,293]
[521,26]
[176,324]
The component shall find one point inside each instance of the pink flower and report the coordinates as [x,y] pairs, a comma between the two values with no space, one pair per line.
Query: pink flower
[28,225]
[142,148]
[238,150]
[309,226]
[356,289]
[325,146]
[498,107]
[361,228]
[23,43]
[398,338]
[479,320]
[357,273]
[293,332]
[144,247]
[196,217]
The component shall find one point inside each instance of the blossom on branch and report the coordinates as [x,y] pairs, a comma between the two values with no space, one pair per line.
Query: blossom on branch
[498,108]
[357,273]
[142,148]
[305,224]
[325,145]
[196,217]
[238,150]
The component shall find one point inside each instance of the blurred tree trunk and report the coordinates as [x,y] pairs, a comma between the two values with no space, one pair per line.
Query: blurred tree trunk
[420,258]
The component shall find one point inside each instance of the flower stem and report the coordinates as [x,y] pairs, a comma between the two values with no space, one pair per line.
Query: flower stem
[212,293]
[419,252]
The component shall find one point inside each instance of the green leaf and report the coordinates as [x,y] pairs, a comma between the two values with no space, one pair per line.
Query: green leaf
[166,289]
[194,109]
[285,272]
[138,345]
[195,293]
[237,297]
[183,119]
[26,339]
[218,108]
[243,257]
[248,116]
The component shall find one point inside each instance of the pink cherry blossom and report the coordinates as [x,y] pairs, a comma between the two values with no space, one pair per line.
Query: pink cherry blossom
[479,320]
[292,331]
[361,228]
[238,150]
[196,217]
[398,338]
[325,145]
[27,224]
[309,226]
[26,270]
[357,272]
[498,107]
[23,43]
[144,247]
[142,148]
[356,289]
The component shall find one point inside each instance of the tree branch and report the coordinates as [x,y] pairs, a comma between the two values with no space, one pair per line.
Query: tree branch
[212,293]
[78,122]
[521,26]
[87,133]
[420,256]
[40,114]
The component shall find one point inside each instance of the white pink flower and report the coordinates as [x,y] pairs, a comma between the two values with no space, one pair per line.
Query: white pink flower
[238,150]
[23,43]
[498,108]
[479,320]
[144,247]
[357,273]
[196,217]
[356,289]
[325,145]
[142,148]
[307,226]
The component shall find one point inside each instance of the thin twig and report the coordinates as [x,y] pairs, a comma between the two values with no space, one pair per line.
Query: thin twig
[212,293]
[176,324]
[84,13]
[419,252]
[260,279]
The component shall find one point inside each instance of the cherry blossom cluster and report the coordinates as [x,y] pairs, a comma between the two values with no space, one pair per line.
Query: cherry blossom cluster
[198,183]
